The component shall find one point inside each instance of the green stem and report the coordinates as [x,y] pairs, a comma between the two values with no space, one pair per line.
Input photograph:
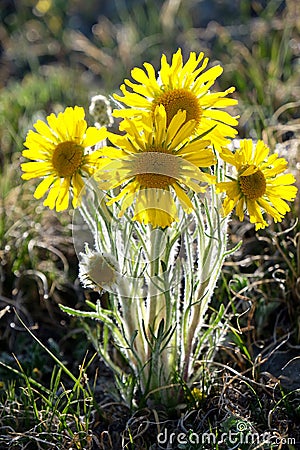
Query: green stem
[212,241]
[152,295]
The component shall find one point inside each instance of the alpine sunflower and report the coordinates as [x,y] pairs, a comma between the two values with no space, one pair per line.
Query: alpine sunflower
[58,155]
[155,163]
[258,185]
[181,87]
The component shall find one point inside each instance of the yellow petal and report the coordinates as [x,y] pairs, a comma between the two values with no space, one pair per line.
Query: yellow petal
[210,75]
[160,121]
[139,75]
[69,124]
[217,99]
[285,192]
[255,213]
[197,154]
[129,189]
[53,194]
[183,133]
[131,99]
[123,112]
[72,123]
[35,143]
[176,122]
[246,147]
[93,136]
[43,187]
[261,152]
[280,204]
[77,184]
[228,205]
[140,89]
[275,213]
[283,180]
[228,156]
[35,169]
[250,170]
[221,116]
[240,208]
[183,198]
[62,201]
[230,187]
[46,132]
[155,206]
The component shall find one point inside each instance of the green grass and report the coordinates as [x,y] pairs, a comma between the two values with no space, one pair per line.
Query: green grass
[264,67]
[53,417]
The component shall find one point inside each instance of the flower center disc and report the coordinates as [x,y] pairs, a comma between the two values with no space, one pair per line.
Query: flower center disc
[67,158]
[176,99]
[153,169]
[253,186]
[150,180]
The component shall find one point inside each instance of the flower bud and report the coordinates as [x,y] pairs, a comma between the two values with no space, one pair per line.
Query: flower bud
[101,111]
[98,270]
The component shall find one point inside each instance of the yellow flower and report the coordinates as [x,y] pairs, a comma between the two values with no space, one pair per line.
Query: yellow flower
[155,163]
[259,183]
[181,87]
[58,156]
[196,395]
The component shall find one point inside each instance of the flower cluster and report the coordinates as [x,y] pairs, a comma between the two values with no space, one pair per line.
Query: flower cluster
[173,126]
